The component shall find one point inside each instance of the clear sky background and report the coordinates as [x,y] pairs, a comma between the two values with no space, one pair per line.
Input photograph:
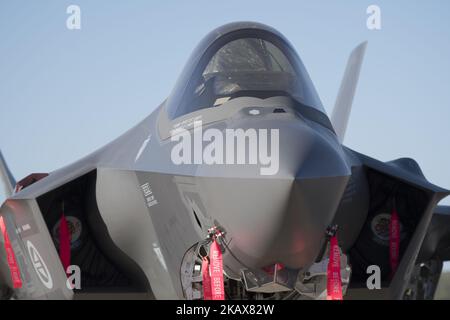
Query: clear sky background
[64,93]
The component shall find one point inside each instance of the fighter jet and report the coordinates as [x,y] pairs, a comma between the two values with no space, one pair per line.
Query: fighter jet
[243,156]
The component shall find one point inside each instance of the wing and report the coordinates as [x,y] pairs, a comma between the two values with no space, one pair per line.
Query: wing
[365,217]
[44,203]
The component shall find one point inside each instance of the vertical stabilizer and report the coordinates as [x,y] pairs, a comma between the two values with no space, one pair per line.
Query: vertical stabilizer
[344,100]
[7,178]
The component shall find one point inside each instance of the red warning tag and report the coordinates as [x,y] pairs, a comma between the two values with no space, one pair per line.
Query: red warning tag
[64,242]
[216,269]
[394,241]
[11,258]
[206,280]
[334,284]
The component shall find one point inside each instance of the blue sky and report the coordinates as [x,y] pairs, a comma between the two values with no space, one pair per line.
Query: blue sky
[63,93]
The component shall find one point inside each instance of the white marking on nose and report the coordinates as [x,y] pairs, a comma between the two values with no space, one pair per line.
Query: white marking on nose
[142,148]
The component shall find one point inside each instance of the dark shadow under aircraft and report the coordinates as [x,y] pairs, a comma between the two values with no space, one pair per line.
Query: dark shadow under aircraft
[243,147]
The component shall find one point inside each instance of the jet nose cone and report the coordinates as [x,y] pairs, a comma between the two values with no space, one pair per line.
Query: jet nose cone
[281,216]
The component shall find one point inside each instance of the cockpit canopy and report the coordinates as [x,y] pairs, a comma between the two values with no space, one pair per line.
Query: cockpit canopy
[241,59]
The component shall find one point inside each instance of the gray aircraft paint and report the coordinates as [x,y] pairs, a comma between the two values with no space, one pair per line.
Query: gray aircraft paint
[319,181]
